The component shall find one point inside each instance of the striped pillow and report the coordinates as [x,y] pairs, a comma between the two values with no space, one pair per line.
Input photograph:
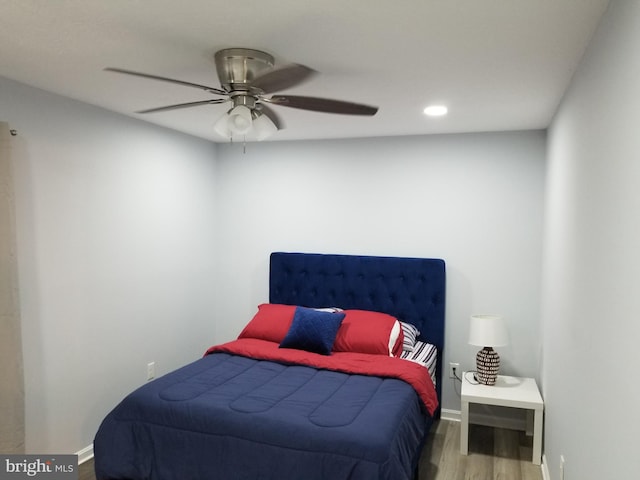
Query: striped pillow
[426,355]
[410,335]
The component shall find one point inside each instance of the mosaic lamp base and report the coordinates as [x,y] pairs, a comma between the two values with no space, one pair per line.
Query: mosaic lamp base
[487,366]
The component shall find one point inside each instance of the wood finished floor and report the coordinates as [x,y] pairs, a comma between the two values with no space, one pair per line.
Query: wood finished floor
[494,454]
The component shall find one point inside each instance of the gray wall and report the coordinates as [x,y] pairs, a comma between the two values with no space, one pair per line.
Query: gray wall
[592,260]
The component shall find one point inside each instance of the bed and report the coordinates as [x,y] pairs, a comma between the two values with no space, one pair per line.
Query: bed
[314,387]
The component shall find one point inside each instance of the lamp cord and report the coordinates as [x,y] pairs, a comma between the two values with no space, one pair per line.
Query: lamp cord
[466,376]
[472,382]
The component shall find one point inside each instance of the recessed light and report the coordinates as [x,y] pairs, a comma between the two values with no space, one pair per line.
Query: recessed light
[436,110]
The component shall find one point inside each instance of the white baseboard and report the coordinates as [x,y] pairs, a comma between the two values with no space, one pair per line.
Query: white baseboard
[451,415]
[545,468]
[85,454]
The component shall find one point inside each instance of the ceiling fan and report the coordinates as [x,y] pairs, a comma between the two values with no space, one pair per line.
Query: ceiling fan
[247,78]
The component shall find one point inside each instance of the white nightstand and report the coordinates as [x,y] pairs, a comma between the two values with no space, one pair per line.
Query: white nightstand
[507,392]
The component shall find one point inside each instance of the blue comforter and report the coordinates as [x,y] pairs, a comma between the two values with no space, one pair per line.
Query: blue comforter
[231,417]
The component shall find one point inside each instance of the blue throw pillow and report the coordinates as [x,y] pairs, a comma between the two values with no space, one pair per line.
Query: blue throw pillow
[313,330]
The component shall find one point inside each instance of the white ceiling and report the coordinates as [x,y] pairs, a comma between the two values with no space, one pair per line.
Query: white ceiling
[497,64]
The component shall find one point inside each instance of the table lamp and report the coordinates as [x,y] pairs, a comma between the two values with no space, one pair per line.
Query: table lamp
[487,331]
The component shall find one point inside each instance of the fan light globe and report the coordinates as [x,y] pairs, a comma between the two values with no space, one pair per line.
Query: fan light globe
[235,122]
[240,120]
[221,126]
[263,127]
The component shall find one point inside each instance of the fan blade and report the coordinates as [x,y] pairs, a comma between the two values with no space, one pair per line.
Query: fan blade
[323,105]
[282,78]
[273,116]
[217,91]
[184,105]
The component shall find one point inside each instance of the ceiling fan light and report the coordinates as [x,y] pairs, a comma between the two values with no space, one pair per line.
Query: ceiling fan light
[239,121]
[263,127]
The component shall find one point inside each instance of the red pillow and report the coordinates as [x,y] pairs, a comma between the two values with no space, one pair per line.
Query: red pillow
[272,322]
[369,332]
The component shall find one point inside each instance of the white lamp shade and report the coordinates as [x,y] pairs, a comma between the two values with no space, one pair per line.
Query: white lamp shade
[488,331]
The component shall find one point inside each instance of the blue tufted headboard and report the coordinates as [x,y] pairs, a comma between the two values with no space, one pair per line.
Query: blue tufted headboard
[410,289]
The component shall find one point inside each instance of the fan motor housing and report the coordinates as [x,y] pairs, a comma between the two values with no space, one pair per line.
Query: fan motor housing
[237,67]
